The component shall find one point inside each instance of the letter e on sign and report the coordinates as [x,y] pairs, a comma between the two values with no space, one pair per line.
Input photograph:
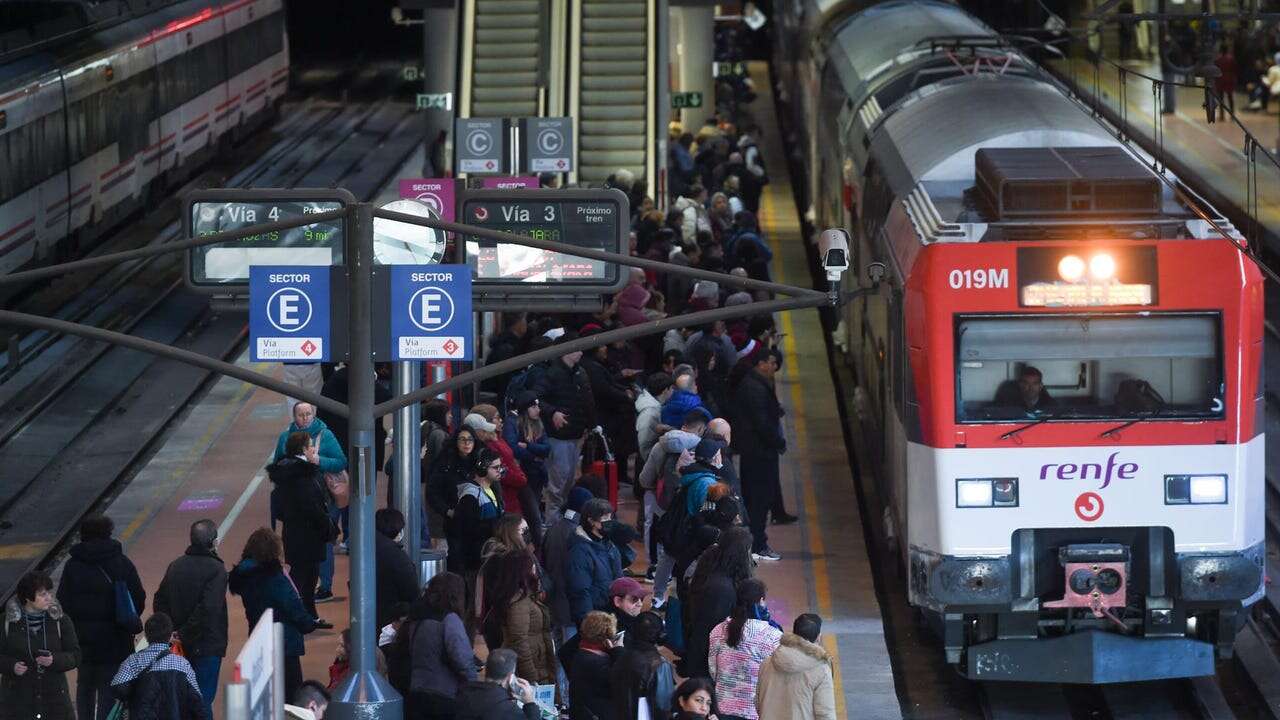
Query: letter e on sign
[431,309]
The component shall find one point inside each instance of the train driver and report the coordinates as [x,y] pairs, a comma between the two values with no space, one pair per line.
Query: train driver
[1027,393]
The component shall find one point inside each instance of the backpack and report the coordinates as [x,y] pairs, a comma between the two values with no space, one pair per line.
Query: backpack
[519,382]
[673,528]
[668,483]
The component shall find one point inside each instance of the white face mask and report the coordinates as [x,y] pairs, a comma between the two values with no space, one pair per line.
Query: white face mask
[400,537]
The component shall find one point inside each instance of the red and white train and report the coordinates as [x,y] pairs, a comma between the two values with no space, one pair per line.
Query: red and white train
[1065,361]
[92,131]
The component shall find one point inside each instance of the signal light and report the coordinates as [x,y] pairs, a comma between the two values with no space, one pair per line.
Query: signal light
[1102,266]
[1071,268]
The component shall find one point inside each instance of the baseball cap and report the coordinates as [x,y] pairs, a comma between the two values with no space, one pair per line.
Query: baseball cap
[625,586]
[476,421]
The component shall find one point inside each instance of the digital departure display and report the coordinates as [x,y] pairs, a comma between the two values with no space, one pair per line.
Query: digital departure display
[1087,276]
[228,263]
[587,224]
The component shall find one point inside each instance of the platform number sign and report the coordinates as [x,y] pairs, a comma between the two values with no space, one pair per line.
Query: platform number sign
[682,100]
[431,312]
[547,144]
[289,313]
[480,145]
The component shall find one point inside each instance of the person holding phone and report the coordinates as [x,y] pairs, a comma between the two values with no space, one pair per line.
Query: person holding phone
[38,647]
[500,695]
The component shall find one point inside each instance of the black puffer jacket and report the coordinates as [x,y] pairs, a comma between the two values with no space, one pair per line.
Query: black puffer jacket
[86,593]
[566,390]
[193,594]
[35,694]
[307,527]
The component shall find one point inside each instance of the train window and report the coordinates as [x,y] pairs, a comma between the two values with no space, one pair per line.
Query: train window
[1081,367]
[30,154]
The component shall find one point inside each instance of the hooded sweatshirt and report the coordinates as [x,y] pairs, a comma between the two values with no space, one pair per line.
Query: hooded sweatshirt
[795,682]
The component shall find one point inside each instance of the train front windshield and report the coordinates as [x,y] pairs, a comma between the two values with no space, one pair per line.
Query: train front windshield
[1089,367]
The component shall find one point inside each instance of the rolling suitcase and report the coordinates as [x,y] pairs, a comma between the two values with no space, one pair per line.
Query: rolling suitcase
[606,467]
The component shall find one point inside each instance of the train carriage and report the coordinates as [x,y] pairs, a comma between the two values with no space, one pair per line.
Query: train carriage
[1064,364]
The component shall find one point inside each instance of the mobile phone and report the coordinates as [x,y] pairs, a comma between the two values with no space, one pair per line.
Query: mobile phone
[44,653]
[620,638]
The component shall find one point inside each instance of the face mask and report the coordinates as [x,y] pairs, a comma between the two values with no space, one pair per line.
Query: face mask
[400,536]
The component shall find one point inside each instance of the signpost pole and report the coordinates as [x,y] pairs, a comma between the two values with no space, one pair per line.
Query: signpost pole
[365,694]
[407,377]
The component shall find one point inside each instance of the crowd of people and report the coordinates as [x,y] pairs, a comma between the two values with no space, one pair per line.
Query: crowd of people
[543,579]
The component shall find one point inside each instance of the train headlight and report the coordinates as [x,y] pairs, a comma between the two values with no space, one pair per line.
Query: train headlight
[1071,268]
[987,492]
[1195,489]
[1102,266]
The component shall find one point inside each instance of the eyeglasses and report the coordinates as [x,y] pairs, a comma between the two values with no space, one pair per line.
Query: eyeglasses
[467,440]
[499,468]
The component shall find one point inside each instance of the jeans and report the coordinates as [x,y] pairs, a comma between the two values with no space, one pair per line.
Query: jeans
[207,669]
[664,562]
[326,570]
[344,523]
[93,687]
[562,466]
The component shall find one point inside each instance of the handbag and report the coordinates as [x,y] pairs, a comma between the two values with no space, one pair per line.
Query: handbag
[126,612]
[339,485]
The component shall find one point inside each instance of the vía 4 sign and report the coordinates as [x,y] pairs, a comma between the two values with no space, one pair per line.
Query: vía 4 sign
[289,313]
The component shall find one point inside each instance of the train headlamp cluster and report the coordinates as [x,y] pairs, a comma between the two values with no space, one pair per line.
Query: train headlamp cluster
[1195,489]
[1100,268]
[986,492]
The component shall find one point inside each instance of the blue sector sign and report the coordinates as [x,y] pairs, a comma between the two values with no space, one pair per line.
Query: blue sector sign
[288,313]
[431,312]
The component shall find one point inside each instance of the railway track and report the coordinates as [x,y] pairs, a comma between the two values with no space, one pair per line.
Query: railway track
[75,416]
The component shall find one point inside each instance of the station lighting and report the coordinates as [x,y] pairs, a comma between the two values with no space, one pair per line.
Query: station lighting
[1071,268]
[1102,266]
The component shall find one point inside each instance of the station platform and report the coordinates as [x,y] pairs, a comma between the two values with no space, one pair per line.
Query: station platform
[1211,156]
[212,465]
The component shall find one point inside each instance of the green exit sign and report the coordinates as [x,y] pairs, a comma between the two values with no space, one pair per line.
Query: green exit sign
[680,100]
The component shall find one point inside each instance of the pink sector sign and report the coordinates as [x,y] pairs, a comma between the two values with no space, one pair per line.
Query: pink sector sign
[509,183]
[436,193]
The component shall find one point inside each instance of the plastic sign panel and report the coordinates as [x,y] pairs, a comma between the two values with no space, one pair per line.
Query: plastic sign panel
[480,145]
[509,183]
[681,100]
[547,144]
[436,193]
[289,313]
[255,665]
[225,266]
[431,312]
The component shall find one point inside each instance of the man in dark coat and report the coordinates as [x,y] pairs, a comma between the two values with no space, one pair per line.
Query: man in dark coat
[193,594]
[568,412]
[307,527]
[494,697]
[512,341]
[641,673]
[594,562]
[397,578]
[758,438]
[86,593]
[154,683]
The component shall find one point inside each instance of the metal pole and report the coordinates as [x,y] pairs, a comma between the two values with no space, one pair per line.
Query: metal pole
[365,694]
[277,671]
[407,378]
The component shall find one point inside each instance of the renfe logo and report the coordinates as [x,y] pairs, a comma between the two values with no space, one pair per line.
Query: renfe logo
[1091,471]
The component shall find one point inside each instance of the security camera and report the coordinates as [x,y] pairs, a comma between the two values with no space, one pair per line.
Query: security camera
[834,246]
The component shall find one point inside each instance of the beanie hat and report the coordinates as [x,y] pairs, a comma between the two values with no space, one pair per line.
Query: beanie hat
[577,498]
[707,449]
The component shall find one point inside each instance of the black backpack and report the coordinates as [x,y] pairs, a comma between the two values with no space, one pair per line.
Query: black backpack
[675,525]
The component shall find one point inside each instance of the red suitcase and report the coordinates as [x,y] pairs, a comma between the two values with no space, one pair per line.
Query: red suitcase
[607,468]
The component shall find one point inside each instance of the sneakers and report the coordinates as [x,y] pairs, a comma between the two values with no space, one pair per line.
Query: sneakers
[324,596]
[340,549]
[322,624]
[765,553]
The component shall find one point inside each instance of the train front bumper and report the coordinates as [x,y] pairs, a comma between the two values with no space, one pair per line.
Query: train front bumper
[1090,656]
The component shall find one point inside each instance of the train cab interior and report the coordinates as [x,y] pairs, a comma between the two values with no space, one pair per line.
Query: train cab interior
[1089,367]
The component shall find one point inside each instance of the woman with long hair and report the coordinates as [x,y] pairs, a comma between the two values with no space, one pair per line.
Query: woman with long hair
[450,469]
[260,582]
[738,647]
[524,432]
[510,535]
[696,696]
[526,621]
[438,648]
[713,593]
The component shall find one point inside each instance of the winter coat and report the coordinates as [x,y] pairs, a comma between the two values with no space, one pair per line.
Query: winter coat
[158,685]
[441,657]
[593,566]
[514,479]
[265,586]
[566,390]
[648,416]
[663,458]
[332,457]
[502,346]
[35,694]
[193,594]
[473,521]
[396,577]
[87,595]
[591,687]
[448,472]
[335,388]
[719,345]
[303,509]
[532,457]
[796,682]
[679,405]
[555,553]
[709,608]
[483,700]
[757,418]
[641,673]
[736,670]
[526,629]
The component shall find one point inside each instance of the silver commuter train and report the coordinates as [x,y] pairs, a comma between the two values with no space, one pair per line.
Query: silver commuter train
[94,130]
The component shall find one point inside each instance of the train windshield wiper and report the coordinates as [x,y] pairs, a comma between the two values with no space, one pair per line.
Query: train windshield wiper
[1043,419]
[1150,416]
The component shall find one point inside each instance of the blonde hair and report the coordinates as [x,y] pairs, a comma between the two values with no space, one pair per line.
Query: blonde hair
[599,626]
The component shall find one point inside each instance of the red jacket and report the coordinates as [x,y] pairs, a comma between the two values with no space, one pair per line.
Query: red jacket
[515,477]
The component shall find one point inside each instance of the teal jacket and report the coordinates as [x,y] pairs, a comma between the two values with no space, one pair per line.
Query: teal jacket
[332,458]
